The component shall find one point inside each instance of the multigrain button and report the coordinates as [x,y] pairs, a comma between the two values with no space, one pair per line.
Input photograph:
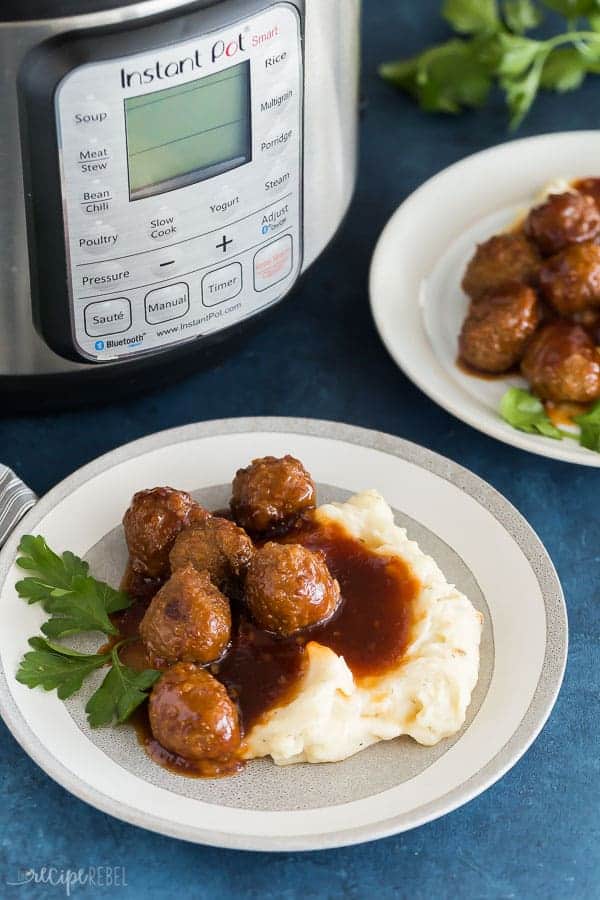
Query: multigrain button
[277,100]
[273,263]
[164,304]
[107,317]
[222,284]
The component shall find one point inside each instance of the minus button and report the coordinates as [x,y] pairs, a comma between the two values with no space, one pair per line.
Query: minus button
[165,261]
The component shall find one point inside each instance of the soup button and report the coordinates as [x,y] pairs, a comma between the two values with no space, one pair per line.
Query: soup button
[107,317]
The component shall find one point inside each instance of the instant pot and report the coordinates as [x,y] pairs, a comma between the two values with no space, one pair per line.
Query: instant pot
[169,170]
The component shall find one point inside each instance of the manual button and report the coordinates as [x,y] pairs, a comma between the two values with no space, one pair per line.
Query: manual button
[164,304]
[107,317]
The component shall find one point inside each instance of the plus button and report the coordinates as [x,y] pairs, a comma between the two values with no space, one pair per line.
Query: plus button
[224,245]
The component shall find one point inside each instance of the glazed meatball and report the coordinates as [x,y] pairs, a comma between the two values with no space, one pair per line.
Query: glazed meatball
[562,364]
[216,546]
[563,219]
[270,492]
[502,259]
[192,715]
[570,281]
[289,588]
[496,331]
[591,187]
[152,522]
[189,620]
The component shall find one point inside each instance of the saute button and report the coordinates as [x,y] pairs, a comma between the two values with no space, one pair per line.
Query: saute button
[222,284]
[107,317]
[273,263]
[164,304]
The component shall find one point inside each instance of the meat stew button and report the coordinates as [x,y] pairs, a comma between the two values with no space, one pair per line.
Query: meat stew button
[166,303]
[107,317]
[273,263]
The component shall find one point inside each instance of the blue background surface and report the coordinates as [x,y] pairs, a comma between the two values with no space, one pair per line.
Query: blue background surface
[537,832]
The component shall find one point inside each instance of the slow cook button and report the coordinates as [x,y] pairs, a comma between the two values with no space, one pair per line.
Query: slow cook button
[222,284]
[273,263]
[166,303]
[107,317]
[162,226]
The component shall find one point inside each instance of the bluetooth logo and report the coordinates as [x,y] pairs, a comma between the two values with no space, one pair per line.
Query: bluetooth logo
[265,229]
[99,345]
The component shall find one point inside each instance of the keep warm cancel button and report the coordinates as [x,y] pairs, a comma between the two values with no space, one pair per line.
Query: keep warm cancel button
[273,263]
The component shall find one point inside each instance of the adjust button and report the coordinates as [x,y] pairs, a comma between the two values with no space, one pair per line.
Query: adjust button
[107,317]
[164,304]
[222,284]
[273,263]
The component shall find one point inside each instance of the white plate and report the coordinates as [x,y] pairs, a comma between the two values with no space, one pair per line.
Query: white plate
[416,298]
[480,540]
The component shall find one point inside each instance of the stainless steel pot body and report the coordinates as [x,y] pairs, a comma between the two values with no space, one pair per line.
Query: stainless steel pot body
[331,70]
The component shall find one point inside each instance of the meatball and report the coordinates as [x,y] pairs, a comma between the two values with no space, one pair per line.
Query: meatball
[189,620]
[562,364]
[563,219]
[289,588]
[192,715]
[216,546]
[570,281]
[496,331]
[152,522]
[591,187]
[504,258]
[270,492]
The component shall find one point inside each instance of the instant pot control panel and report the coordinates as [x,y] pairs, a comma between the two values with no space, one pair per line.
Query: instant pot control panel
[180,180]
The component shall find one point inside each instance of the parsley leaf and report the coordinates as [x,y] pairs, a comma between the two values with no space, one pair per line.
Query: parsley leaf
[62,585]
[590,428]
[564,70]
[471,16]
[526,413]
[120,694]
[572,9]
[521,15]
[446,78]
[54,667]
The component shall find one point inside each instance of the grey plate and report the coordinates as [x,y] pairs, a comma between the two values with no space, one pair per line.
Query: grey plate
[263,787]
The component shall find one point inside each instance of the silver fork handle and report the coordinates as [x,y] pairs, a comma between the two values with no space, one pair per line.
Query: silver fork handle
[15,500]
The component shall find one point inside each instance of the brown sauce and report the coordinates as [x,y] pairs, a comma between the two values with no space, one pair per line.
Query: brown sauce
[371,630]
[485,376]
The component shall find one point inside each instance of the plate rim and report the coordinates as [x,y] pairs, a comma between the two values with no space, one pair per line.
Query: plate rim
[495,429]
[481,491]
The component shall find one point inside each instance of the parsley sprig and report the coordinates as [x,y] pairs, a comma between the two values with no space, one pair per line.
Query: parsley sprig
[494,47]
[525,412]
[77,603]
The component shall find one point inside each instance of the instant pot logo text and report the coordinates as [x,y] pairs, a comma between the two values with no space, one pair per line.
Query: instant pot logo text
[158,71]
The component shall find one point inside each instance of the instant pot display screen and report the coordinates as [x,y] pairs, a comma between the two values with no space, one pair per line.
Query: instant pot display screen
[188,133]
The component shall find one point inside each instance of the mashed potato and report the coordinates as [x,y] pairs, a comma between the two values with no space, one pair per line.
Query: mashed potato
[426,696]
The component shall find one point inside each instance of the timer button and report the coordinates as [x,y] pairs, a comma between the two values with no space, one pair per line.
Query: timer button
[277,141]
[222,284]
[273,263]
[107,317]
[97,241]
